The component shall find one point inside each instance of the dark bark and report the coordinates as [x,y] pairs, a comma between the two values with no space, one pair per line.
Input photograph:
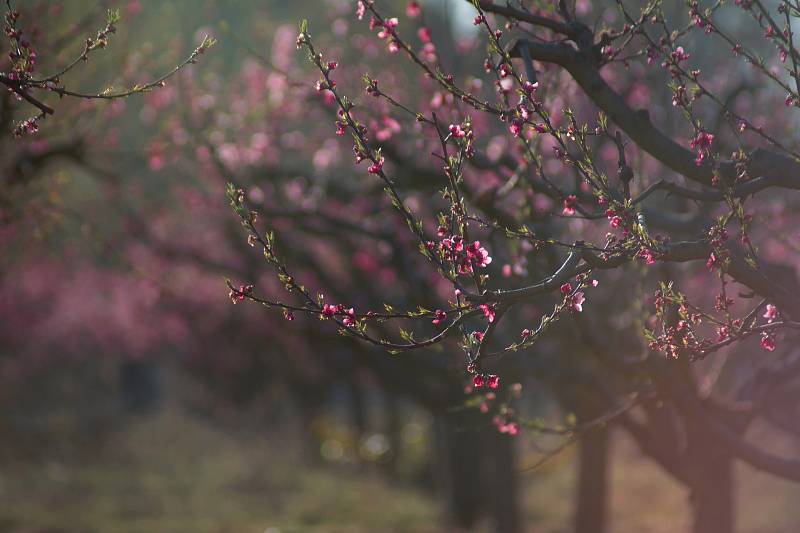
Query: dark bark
[712,498]
[504,486]
[457,464]
[710,483]
[591,509]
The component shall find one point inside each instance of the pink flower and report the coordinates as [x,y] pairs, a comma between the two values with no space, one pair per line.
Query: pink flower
[424,34]
[767,342]
[516,127]
[493,381]
[478,255]
[477,335]
[713,261]
[376,168]
[529,87]
[349,319]
[388,28]
[526,333]
[577,301]
[238,295]
[478,20]
[569,205]
[328,310]
[771,313]
[679,55]
[361,9]
[413,10]
[441,316]
[456,131]
[702,142]
[478,381]
[566,288]
[488,312]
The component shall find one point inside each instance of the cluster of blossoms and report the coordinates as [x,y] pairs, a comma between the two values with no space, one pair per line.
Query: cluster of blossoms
[574,300]
[510,428]
[522,113]
[676,57]
[647,254]
[619,218]
[22,55]
[699,19]
[486,380]
[386,28]
[717,237]
[348,314]
[681,338]
[702,143]
[238,295]
[488,312]
[27,126]
[569,205]
[464,131]
[466,258]
[767,338]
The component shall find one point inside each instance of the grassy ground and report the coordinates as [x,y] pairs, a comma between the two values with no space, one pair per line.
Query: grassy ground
[175,473]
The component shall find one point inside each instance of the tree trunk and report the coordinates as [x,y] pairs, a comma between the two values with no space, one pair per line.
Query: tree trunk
[503,484]
[711,483]
[591,515]
[712,495]
[458,469]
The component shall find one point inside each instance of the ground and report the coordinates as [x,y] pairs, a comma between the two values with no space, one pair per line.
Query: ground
[176,472]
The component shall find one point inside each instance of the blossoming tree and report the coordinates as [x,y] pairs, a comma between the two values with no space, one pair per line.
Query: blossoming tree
[578,186]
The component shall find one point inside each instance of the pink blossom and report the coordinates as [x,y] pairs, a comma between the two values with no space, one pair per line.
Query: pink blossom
[529,87]
[679,55]
[349,319]
[456,131]
[424,34]
[771,313]
[376,167]
[361,9]
[566,288]
[441,316]
[569,205]
[478,381]
[478,255]
[493,381]
[577,301]
[413,10]
[767,342]
[488,312]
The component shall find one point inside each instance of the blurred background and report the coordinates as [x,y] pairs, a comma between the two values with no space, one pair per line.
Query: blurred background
[135,397]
